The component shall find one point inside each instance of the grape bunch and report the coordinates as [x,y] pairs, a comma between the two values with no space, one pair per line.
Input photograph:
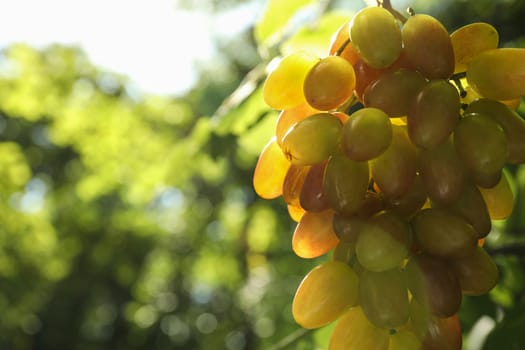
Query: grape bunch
[390,152]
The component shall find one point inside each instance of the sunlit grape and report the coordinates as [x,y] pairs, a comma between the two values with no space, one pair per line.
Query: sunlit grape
[289,117]
[312,140]
[376,35]
[470,40]
[499,199]
[270,171]
[313,235]
[293,183]
[283,87]
[324,294]
[312,197]
[498,74]
[354,331]
[342,38]
[329,83]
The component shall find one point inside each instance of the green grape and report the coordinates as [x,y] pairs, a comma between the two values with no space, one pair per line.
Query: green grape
[394,91]
[313,235]
[366,134]
[481,143]
[477,272]
[433,285]
[471,206]
[498,74]
[383,242]
[345,183]
[443,173]
[339,38]
[293,183]
[384,309]
[512,123]
[428,46]
[434,114]
[410,202]
[470,40]
[329,83]
[499,199]
[353,331]
[312,197]
[270,171]
[443,233]
[394,170]
[404,339]
[376,35]
[324,294]
[283,87]
[289,117]
[347,228]
[312,140]
[436,333]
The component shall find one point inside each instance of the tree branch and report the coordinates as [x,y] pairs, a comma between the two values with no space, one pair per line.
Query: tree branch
[291,339]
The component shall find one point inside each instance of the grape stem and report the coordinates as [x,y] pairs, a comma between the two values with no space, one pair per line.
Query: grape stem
[456,79]
[388,6]
[342,48]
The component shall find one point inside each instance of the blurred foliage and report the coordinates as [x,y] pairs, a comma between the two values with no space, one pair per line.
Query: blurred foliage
[128,221]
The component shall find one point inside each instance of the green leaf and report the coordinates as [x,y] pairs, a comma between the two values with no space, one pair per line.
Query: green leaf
[275,19]
[508,334]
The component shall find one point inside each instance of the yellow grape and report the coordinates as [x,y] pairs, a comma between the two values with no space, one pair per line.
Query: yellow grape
[428,46]
[376,35]
[470,40]
[312,140]
[366,134]
[289,117]
[404,339]
[329,83]
[314,235]
[477,272]
[295,212]
[270,171]
[283,87]
[324,294]
[499,199]
[498,74]
[293,183]
[354,331]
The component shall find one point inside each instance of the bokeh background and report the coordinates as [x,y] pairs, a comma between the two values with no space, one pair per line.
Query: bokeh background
[129,131]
